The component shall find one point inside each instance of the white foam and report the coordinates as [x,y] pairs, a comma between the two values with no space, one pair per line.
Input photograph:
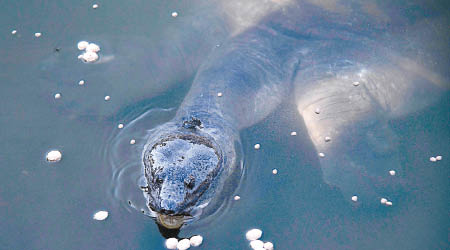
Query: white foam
[92,47]
[256,244]
[268,245]
[253,234]
[171,243]
[183,244]
[100,215]
[196,240]
[54,156]
[82,45]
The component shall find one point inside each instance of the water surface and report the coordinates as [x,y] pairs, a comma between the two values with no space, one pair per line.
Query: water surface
[50,205]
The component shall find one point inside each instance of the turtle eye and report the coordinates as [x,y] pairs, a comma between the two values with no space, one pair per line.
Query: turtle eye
[189,182]
[159,180]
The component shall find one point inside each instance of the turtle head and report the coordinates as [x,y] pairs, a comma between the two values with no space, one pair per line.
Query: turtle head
[179,169]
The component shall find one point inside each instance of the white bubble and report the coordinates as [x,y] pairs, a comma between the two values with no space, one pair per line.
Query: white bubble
[274,171]
[257,146]
[196,240]
[392,172]
[219,94]
[354,198]
[82,45]
[174,14]
[355,84]
[183,244]
[268,245]
[237,197]
[107,98]
[171,243]
[120,125]
[317,111]
[88,56]
[100,215]
[57,95]
[133,141]
[95,6]
[81,82]
[54,156]
[383,200]
[13,32]
[327,138]
[293,133]
[256,244]
[92,47]
[433,159]
[37,34]
[253,234]
[321,155]
[439,157]
[388,203]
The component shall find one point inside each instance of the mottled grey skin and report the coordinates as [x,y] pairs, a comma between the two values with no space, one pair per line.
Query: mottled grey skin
[207,119]
[318,47]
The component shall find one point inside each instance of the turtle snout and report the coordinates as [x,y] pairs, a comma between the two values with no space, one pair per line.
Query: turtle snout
[168,207]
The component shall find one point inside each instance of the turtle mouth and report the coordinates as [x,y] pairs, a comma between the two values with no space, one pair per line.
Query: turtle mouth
[170,221]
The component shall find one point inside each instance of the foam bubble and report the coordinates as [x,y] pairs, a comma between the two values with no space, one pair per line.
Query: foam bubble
[253,234]
[171,243]
[82,45]
[100,215]
[268,245]
[183,244]
[256,244]
[196,240]
[54,156]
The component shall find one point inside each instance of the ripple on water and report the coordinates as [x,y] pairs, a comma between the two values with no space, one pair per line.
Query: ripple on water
[125,163]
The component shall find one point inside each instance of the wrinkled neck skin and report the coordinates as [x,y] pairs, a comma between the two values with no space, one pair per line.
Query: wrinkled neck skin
[253,74]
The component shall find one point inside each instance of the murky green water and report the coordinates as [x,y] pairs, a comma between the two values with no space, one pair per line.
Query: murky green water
[50,205]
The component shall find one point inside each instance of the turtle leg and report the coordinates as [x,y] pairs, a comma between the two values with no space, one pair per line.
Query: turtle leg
[347,108]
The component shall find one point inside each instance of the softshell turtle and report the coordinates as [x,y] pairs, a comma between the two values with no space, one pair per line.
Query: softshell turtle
[350,66]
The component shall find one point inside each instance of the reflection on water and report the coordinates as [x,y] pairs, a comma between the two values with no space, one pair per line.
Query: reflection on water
[50,205]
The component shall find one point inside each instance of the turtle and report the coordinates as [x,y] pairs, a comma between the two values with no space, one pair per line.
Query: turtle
[349,66]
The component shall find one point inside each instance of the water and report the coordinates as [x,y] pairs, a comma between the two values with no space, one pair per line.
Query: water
[50,205]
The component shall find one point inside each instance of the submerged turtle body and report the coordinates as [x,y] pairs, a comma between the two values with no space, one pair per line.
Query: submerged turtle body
[342,62]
